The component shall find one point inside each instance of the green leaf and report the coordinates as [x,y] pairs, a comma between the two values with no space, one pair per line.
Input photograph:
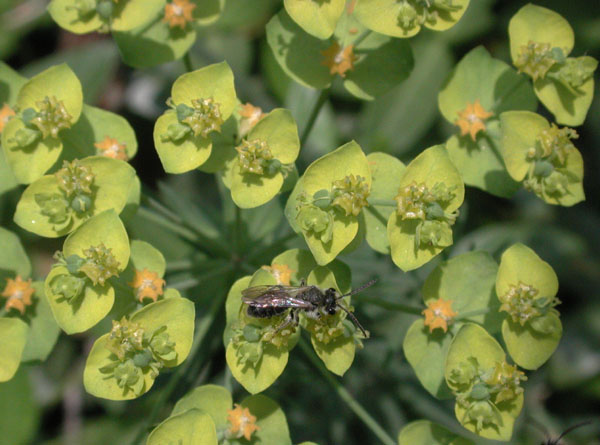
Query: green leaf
[345,160]
[7,177]
[13,331]
[431,167]
[298,53]
[192,427]
[426,352]
[86,311]
[212,399]
[154,44]
[280,133]
[177,314]
[528,348]
[63,12]
[469,281]
[93,127]
[542,25]
[146,256]
[10,84]
[271,420]
[386,172]
[233,305]
[134,13]
[28,163]
[316,17]
[14,260]
[258,378]
[384,16]
[426,432]
[43,330]
[383,63]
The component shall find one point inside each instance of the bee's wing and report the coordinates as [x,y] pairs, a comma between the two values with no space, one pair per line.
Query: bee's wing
[275,296]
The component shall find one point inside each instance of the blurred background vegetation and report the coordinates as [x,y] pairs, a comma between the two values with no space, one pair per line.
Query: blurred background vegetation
[46,404]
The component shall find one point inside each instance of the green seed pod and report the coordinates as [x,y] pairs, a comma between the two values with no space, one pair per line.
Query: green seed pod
[24,137]
[105,9]
[81,203]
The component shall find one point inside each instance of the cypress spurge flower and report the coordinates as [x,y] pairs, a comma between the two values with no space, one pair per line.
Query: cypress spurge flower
[6,113]
[18,293]
[439,314]
[472,119]
[249,117]
[201,102]
[339,60]
[179,13]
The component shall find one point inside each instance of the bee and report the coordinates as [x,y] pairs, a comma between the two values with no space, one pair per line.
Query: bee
[564,433]
[271,300]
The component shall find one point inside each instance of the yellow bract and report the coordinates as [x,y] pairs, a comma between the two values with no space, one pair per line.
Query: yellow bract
[281,272]
[439,314]
[19,294]
[179,13]
[111,148]
[471,119]
[147,284]
[339,60]
[243,423]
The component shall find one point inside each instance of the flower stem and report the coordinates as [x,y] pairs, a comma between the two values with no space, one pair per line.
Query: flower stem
[389,305]
[314,114]
[187,62]
[347,397]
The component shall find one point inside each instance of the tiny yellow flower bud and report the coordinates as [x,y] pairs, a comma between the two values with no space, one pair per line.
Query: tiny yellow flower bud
[471,119]
[111,148]
[147,284]
[243,423]
[179,13]
[19,294]
[339,60]
[439,314]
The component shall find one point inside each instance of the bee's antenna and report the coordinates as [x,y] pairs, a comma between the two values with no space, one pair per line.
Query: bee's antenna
[358,289]
[571,428]
[354,320]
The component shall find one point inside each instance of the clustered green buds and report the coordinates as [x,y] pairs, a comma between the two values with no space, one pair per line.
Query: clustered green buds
[317,221]
[136,351]
[255,157]
[548,173]
[522,304]
[419,12]
[100,264]
[535,59]
[51,117]
[203,117]
[417,201]
[350,194]
[84,8]
[480,391]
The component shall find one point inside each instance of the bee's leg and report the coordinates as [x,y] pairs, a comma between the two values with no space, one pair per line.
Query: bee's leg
[302,282]
[291,319]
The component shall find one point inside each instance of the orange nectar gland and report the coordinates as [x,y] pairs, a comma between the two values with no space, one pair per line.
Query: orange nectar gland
[339,60]
[19,294]
[243,424]
[147,284]
[250,115]
[5,114]
[111,148]
[179,13]
[439,314]
[471,119]
[281,272]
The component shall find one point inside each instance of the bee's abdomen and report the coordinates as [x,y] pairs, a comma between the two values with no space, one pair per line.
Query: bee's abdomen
[265,312]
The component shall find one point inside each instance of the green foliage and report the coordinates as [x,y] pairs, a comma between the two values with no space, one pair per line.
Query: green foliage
[426,432]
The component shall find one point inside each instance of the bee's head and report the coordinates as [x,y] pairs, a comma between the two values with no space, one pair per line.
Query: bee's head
[330,303]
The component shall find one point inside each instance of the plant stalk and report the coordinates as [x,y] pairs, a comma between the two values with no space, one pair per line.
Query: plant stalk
[314,114]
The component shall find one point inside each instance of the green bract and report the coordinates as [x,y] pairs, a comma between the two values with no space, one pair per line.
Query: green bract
[265,158]
[83,16]
[468,281]
[327,200]
[488,393]
[14,260]
[478,78]
[405,18]
[374,66]
[77,288]
[55,205]
[540,42]
[99,132]
[202,101]
[124,363]
[257,420]
[13,332]
[542,156]
[421,432]
[315,16]
[48,104]
[386,172]
[430,192]
[527,287]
